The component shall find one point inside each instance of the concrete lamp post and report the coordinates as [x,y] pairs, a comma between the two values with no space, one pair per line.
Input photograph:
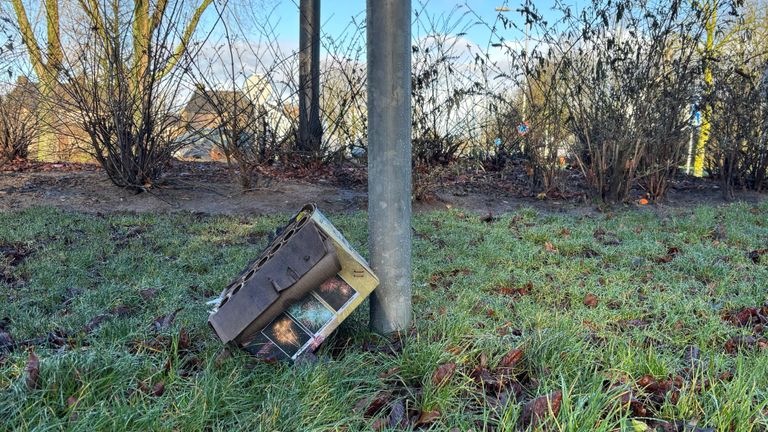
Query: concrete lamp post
[389,161]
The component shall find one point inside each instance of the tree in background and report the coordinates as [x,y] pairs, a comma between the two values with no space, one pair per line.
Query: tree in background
[310,129]
[47,54]
[738,146]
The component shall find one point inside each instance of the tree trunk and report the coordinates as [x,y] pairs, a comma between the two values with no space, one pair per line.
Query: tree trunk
[310,129]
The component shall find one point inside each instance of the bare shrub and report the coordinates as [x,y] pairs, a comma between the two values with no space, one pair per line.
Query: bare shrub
[247,119]
[738,145]
[18,122]
[446,87]
[629,78]
[121,87]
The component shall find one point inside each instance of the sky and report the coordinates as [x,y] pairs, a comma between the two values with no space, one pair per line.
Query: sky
[336,15]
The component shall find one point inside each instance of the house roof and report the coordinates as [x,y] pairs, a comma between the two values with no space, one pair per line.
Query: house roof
[206,101]
[24,94]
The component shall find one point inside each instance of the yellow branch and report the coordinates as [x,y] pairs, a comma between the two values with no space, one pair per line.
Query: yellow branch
[186,36]
[28,37]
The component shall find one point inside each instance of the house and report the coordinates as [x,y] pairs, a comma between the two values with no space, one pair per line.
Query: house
[59,135]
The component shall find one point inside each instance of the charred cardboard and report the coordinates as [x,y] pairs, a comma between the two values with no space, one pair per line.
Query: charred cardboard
[293,264]
[288,300]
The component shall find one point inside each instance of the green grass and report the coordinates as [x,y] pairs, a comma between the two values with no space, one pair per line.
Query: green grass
[81,266]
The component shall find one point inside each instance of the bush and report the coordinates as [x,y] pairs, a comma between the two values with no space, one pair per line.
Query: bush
[738,139]
[628,102]
[18,127]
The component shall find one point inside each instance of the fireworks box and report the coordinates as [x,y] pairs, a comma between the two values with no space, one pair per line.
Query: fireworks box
[295,293]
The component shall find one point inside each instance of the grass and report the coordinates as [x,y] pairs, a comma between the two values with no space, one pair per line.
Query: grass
[466,274]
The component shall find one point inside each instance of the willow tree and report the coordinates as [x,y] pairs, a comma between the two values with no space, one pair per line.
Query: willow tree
[708,53]
[718,34]
[104,18]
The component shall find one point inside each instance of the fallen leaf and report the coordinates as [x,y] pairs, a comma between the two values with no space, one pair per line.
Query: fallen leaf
[737,343]
[489,218]
[482,376]
[590,300]
[95,322]
[389,372]
[71,401]
[672,252]
[158,389]
[164,321]
[370,407]
[511,358]
[521,291]
[549,247]
[756,254]
[539,409]
[148,293]
[443,374]
[379,425]
[397,415]
[428,417]
[121,310]
[33,370]
[184,340]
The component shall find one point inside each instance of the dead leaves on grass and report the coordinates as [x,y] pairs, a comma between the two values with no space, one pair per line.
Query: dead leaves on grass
[672,252]
[32,371]
[515,291]
[541,408]
[591,300]
[549,247]
[755,317]
[756,254]
[397,407]
[163,322]
[443,374]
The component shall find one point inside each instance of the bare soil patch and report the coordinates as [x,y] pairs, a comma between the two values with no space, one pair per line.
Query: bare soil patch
[209,188]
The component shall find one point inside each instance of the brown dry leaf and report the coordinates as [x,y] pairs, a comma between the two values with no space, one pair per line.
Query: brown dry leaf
[549,247]
[565,232]
[489,218]
[428,417]
[756,254]
[737,343]
[672,252]
[184,340]
[158,389]
[164,321]
[538,410]
[95,322]
[379,425]
[148,293]
[375,405]
[590,300]
[443,374]
[511,358]
[483,360]
[389,372]
[482,376]
[33,370]
[71,401]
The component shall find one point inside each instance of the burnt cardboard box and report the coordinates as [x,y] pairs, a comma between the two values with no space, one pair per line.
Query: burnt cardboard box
[296,292]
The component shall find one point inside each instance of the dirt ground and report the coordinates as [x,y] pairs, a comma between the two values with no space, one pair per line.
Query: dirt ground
[208,188]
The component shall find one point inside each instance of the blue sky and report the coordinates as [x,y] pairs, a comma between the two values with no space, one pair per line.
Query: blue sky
[337,14]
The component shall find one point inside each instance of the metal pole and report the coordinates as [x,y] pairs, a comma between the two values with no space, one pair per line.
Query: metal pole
[389,161]
[310,129]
